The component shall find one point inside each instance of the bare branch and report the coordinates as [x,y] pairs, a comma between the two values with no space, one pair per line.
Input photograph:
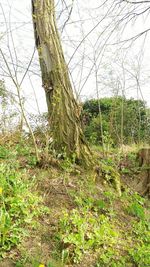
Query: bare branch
[133,38]
[30,62]
[133,2]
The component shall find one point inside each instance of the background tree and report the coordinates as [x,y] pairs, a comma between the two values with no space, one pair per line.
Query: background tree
[112,120]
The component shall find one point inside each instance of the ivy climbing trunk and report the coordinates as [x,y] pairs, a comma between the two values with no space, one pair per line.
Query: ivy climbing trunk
[63,110]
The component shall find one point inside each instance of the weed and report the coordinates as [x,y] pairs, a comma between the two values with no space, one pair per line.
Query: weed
[89,203]
[136,209]
[52,263]
[125,170]
[18,206]
[111,175]
[32,160]
[111,258]
[83,230]
[23,149]
[4,152]
[141,231]
[67,164]
[141,255]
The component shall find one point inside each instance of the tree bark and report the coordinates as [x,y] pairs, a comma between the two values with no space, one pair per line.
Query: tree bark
[143,156]
[63,110]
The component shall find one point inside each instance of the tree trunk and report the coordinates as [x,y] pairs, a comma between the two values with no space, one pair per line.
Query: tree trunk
[63,110]
[143,156]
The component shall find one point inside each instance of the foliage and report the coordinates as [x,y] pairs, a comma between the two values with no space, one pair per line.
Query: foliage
[85,228]
[22,150]
[137,210]
[92,221]
[111,258]
[141,229]
[19,206]
[91,228]
[136,206]
[141,255]
[135,120]
[111,175]
[4,152]
[67,163]
[52,263]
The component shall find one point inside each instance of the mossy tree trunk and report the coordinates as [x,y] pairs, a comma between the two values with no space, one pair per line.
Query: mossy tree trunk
[64,112]
[143,156]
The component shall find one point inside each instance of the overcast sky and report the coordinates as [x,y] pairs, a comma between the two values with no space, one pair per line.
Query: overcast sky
[117,65]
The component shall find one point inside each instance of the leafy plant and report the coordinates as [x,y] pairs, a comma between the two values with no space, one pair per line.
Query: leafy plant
[83,230]
[53,263]
[111,258]
[19,206]
[137,210]
[141,255]
[111,175]
[32,160]
[23,149]
[141,230]
[67,164]
[4,152]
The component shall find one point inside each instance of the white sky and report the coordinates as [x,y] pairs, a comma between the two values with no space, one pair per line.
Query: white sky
[115,64]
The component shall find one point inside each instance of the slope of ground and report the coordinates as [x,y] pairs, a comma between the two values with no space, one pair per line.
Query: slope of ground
[66,216]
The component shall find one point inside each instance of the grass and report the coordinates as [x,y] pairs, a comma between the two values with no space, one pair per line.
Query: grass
[63,216]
